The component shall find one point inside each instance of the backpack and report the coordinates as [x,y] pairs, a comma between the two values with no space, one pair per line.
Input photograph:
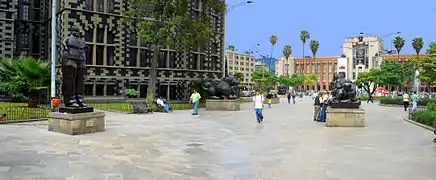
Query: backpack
[317,103]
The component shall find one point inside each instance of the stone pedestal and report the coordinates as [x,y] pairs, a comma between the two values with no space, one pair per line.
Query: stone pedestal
[223,105]
[74,124]
[345,117]
[275,100]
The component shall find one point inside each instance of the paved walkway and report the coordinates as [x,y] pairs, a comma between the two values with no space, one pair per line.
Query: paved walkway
[223,146]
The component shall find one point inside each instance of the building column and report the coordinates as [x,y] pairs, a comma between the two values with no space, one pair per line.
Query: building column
[321,77]
[94,89]
[105,89]
[327,75]
[168,91]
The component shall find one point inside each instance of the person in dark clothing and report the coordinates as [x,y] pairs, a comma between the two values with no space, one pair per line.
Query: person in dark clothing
[316,108]
[289,98]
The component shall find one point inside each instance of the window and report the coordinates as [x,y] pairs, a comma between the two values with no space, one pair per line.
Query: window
[89,5]
[194,61]
[36,14]
[144,61]
[110,37]
[35,43]
[25,12]
[133,39]
[214,48]
[214,23]
[172,60]
[111,90]
[111,6]
[100,5]
[132,60]
[214,63]
[110,55]
[100,35]
[162,59]
[202,62]
[88,89]
[99,55]
[24,38]
[89,35]
[89,55]
[99,89]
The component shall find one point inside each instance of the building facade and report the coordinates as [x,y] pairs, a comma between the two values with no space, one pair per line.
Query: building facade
[285,66]
[324,67]
[362,53]
[116,58]
[240,63]
[260,65]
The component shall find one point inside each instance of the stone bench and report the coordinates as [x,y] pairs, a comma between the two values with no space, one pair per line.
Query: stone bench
[140,107]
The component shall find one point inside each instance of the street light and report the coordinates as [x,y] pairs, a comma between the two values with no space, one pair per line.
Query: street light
[228,9]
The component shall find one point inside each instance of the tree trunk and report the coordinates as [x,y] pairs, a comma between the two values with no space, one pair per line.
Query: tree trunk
[303,59]
[151,89]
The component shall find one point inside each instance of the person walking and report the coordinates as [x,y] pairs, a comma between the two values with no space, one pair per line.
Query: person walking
[406,99]
[293,97]
[301,95]
[269,102]
[195,98]
[415,100]
[258,106]
[316,107]
[289,97]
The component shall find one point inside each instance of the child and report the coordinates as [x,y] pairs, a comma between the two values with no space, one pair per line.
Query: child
[269,102]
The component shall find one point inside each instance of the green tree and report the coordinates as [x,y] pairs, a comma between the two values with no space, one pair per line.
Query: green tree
[304,36]
[169,23]
[273,40]
[391,74]
[409,69]
[431,48]
[310,79]
[398,44]
[239,76]
[427,65]
[287,51]
[417,44]
[369,80]
[24,77]
[314,45]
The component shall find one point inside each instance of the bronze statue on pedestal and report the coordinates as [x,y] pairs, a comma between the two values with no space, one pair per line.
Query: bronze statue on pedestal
[74,69]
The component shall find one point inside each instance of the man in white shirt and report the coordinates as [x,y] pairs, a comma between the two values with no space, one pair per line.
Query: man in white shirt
[258,105]
[160,102]
[406,99]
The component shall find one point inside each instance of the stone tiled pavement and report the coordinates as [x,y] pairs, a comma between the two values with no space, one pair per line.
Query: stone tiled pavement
[216,145]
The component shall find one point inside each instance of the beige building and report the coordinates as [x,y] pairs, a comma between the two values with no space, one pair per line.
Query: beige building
[362,53]
[285,66]
[240,63]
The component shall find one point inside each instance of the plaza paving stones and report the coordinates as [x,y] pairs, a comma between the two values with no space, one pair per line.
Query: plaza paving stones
[223,146]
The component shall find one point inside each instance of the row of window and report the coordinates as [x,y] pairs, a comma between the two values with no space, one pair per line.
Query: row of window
[114,90]
[241,63]
[101,6]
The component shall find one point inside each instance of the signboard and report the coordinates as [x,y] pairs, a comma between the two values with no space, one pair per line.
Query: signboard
[89,123]
[342,66]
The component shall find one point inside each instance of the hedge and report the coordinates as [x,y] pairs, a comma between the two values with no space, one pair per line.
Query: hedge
[399,100]
[427,117]
[365,98]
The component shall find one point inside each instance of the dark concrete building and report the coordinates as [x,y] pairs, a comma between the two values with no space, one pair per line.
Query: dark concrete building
[117,59]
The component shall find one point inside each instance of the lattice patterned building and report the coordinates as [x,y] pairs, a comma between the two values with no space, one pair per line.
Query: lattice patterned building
[116,58]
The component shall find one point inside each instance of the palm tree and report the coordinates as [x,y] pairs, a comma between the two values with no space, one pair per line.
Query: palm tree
[273,41]
[314,45]
[417,44]
[287,52]
[398,44]
[304,36]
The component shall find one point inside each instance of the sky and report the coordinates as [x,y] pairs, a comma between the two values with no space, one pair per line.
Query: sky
[329,22]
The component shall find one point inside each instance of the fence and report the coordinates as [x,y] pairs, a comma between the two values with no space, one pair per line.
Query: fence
[22,113]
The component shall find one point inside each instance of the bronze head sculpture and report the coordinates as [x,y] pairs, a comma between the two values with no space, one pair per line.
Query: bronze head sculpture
[74,69]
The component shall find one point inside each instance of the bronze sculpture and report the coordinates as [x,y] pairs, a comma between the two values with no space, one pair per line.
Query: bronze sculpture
[228,87]
[343,93]
[74,69]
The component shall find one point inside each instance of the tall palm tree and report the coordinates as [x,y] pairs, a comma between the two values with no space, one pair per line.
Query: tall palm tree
[398,44]
[287,52]
[273,41]
[418,44]
[304,36]
[314,45]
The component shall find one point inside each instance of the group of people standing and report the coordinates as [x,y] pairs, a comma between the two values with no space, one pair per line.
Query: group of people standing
[320,103]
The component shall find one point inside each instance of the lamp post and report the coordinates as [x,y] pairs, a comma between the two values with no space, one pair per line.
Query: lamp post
[228,9]
[250,52]
[53,53]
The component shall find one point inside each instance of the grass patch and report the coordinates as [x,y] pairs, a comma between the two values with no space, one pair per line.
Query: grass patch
[121,107]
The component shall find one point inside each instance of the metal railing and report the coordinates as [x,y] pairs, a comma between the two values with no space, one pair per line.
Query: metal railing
[23,113]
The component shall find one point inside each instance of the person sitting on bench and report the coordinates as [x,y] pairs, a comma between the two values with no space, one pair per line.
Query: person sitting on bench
[160,102]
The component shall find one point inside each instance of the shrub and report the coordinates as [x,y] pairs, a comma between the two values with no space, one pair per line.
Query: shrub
[399,101]
[131,93]
[427,117]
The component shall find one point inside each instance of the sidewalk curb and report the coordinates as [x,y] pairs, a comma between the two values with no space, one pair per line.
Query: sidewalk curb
[419,124]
